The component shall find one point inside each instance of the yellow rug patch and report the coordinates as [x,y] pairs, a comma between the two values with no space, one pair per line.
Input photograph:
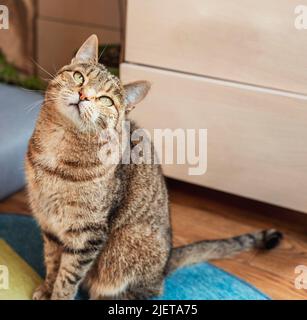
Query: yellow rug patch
[17,279]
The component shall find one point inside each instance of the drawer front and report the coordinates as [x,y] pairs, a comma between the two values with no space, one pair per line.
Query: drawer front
[253,42]
[102,13]
[58,42]
[256,138]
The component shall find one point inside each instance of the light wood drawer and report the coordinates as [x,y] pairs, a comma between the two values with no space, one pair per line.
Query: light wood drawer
[102,13]
[58,42]
[247,41]
[257,139]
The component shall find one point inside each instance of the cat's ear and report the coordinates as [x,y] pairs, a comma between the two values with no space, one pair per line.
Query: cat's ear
[88,52]
[135,93]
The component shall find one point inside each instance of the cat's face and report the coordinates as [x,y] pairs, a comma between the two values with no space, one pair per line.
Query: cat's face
[88,95]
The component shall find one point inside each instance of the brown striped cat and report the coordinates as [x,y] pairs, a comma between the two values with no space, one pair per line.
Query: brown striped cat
[105,224]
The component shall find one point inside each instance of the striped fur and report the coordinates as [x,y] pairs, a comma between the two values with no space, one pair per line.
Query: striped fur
[104,225]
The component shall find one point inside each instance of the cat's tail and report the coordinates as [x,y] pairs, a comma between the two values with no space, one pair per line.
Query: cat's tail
[217,249]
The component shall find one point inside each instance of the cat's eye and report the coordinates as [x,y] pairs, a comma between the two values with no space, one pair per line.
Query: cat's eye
[78,77]
[106,101]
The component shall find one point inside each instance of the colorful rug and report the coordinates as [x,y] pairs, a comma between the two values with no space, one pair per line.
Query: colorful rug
[199,282]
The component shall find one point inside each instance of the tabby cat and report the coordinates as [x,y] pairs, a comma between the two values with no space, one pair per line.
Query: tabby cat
[105,224]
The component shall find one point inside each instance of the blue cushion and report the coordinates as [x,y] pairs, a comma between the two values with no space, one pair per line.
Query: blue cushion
[18,112]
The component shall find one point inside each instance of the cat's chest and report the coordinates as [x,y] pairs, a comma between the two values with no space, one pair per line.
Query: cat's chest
[71,152]
[71,183]
[65,205]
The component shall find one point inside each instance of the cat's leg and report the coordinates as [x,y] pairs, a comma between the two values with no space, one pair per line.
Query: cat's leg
[130,266]
[52,257]
[137,292]
[144,287]
[76,260]
[143,291]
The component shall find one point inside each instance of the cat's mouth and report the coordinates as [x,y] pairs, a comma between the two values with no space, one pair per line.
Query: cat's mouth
[76,105]
[82,107]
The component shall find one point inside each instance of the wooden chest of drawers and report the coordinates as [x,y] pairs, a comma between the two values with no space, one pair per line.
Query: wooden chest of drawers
[237,68]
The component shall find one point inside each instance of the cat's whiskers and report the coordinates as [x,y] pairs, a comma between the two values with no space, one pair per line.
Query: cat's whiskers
[54,79]
[43,69]
[55,68]
[102,52]
[51,100]
[33,90]
[33,105]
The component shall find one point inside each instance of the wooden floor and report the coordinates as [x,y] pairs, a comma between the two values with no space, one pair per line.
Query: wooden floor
[200,213]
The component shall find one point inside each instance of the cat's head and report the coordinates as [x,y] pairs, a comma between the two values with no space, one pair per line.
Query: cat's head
[88,95]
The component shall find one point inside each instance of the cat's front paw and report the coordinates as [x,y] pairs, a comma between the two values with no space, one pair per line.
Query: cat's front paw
[43,292]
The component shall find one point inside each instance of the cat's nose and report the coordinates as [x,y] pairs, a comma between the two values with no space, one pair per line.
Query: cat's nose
[82,96]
